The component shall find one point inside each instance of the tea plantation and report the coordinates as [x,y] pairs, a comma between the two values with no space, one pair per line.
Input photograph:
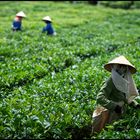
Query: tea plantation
[48,84]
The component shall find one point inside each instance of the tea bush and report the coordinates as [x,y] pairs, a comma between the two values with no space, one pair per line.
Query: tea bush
[49,84]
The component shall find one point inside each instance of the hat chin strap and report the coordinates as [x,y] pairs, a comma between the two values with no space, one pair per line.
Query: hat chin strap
[125,85]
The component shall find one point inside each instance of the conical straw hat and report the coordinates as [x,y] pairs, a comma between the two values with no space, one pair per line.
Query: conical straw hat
[120,60]
[21,14]
[47,18]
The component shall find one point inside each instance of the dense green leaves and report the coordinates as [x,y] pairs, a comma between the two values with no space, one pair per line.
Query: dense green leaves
[49,84]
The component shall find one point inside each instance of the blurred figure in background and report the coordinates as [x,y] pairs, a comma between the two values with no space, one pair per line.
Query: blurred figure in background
[116,94]
[17,23]
[48,28]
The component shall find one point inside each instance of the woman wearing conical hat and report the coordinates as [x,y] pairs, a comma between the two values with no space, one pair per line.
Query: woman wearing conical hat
[17,23]
[48,28]
[116,94]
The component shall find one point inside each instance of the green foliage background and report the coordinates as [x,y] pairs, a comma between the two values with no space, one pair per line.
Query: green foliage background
[49,84]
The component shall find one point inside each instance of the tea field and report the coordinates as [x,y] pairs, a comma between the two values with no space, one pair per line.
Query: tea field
[48,84]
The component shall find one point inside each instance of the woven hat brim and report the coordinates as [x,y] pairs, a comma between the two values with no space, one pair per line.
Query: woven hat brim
[47,19]
[109,65]
[23,16]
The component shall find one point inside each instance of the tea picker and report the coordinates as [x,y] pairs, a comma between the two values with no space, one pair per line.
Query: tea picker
[48,28]
[117,93]
[17,23]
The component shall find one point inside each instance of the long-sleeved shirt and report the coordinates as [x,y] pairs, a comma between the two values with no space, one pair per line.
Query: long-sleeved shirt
[49,29]
[16,25]
[109,95]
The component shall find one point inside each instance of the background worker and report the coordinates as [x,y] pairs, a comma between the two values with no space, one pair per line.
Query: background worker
[48,28]
[17,23]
